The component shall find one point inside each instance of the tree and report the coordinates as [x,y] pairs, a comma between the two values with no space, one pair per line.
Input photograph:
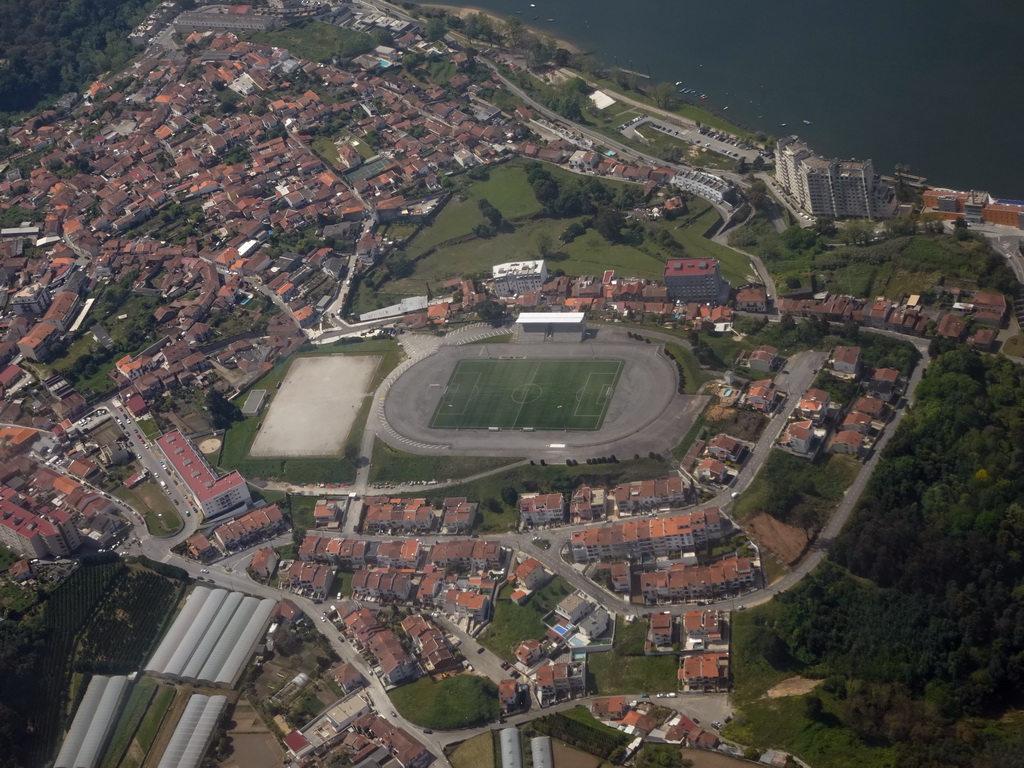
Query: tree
[223,413]
[544,242]
[609,225]
[437,27]
[757,196]
[663,95]
[492,313]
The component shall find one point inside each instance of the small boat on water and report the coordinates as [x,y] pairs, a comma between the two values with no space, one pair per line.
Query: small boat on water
[678,83]
[550,20]
[782,125]
[808,122]
[724,108]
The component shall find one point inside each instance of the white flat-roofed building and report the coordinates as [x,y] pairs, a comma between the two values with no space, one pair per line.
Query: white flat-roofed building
[517,277]
[552,326]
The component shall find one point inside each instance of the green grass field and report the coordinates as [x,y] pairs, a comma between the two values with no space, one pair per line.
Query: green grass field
[537,394]
[477,752]
[455,702]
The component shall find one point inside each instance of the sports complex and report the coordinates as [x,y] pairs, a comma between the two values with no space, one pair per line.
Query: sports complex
[520,393]
[549,393]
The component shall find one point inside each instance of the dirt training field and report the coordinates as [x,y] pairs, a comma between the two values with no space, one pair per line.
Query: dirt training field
[312,413]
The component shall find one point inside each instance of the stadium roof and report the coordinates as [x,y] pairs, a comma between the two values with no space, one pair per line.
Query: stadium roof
[551,317]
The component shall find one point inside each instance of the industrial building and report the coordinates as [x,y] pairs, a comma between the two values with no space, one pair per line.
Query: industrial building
[94,720]
[552,326]
[212,638]
[254,403]
[194,731]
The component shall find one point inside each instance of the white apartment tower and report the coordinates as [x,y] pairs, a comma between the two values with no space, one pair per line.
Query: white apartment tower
[838,189]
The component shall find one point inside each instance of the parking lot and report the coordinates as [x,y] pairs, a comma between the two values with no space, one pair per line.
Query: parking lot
[721,143]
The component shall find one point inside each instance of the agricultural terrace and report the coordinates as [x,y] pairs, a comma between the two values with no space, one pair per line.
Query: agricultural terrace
[535,394]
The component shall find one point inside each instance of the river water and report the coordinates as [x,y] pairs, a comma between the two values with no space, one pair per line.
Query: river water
[936,85]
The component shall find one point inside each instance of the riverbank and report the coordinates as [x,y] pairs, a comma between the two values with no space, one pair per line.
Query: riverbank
[462,11]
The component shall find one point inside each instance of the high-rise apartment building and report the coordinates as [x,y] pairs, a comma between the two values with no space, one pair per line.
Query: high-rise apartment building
[838,189]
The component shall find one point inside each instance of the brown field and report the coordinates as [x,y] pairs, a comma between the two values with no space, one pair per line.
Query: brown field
[569,757]
[786,542]
[792,686]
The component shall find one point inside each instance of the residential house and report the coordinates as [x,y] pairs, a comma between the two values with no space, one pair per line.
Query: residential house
[725,448]
[609,708]
[593,625]
[536,510]
[661,630]
[573,608]
[328,513]
[885,383]
[531,575]
[849,442]
[382,586]
[529,652]
[646,495]
[846,361]
[250,527]
[588,504]
[751,300]
[620,577]
[558,681]
[764,358]
[508,694]
[798,436]
[705,671]
[814,405]
[458,515]
[712,471]
[472,605]
[264,562]
[761,395]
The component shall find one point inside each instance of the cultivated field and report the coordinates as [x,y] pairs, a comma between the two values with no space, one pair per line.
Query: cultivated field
[315,408]
[533,394]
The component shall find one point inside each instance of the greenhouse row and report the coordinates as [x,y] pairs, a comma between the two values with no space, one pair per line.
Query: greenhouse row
[90,729]
[212,638]
[194,731]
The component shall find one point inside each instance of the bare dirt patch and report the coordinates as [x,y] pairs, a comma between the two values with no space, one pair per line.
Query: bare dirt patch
[209,445]
[253,745]
[786,542]
[740,424]
[793,686]
[569,757]
[312,413]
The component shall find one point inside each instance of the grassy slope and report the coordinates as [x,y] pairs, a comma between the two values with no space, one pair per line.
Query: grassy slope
[393,466]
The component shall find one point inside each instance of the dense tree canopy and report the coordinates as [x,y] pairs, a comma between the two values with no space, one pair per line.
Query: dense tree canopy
[932,628]
[55,46]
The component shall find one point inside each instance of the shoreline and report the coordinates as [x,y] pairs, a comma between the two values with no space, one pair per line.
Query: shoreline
[462,11]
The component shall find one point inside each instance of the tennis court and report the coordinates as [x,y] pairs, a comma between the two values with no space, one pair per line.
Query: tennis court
[528,394]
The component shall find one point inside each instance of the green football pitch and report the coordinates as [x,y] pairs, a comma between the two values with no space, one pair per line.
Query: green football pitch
[527,394]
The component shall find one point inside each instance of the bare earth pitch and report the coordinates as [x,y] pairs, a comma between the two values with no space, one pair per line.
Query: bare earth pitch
[528,394]
[312,413]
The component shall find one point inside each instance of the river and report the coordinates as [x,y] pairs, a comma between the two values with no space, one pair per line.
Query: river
[937,86]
